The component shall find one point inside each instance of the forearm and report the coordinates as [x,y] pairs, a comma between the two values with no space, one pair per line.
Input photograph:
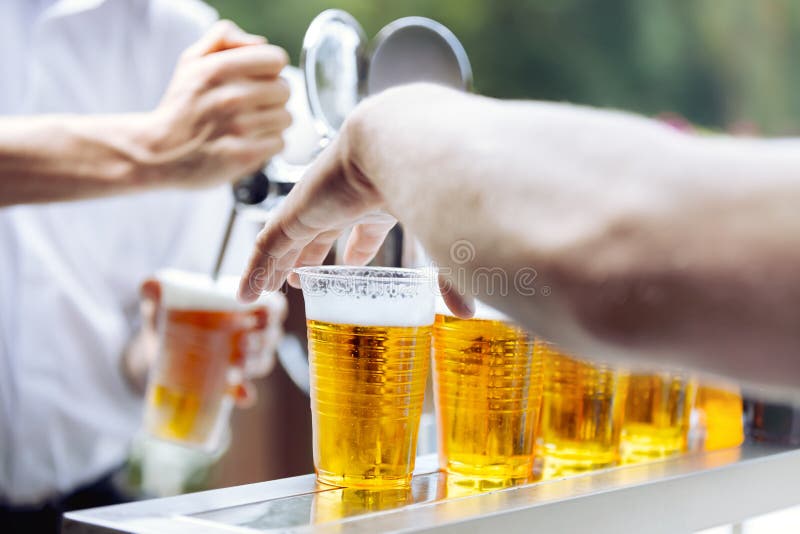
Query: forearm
[647,244]
[68,157]
[220,118]
[705,273]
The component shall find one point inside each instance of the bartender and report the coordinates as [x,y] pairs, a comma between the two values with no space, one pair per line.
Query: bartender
[106,105]
[620,237]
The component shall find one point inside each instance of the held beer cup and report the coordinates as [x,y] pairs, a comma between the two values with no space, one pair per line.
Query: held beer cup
[487,384]
[657,416]
[582,409]
[369,343]
[206,339]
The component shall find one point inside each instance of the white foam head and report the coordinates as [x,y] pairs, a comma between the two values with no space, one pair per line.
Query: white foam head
[183,290]
[482,311]
[368,301]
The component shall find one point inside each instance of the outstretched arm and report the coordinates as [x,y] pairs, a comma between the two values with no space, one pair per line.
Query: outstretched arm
[221,117]
[633,240]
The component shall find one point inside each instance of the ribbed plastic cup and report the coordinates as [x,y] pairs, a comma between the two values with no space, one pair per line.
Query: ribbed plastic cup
[206,338]
[487,382]
[657,414]
[369,340]
[582,412]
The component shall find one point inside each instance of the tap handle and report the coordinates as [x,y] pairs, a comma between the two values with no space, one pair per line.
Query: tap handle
[251,190]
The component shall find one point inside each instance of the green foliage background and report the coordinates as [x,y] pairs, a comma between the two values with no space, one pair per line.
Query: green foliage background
[717,62]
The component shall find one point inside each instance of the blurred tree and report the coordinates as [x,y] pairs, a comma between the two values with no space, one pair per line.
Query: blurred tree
[717,63]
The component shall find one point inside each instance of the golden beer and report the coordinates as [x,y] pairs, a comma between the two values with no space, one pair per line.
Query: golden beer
[487,385]
[719,408]
[657,415]
[201,358]
[582,410]
[369,343]
[367,388]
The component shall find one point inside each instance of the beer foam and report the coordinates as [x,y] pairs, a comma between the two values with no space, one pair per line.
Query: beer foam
[367,301]
[482,311]
[415,310]
[184,290]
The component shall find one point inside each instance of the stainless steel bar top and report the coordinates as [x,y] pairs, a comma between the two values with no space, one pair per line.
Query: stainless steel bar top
[682,494]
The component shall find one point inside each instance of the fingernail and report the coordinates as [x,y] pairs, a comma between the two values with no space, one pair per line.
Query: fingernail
[469,305]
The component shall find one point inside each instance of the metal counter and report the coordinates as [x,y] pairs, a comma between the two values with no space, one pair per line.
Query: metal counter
[683,494]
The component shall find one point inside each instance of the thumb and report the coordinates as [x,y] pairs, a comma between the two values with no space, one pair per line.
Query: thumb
[223,35]
[245,395]
[150,303]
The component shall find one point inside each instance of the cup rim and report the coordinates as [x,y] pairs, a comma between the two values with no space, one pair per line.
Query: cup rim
[339,272]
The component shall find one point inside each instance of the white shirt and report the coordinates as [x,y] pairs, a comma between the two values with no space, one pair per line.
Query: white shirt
[70,272]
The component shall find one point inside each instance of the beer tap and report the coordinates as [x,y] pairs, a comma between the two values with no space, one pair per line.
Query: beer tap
[259,193]
[248,191]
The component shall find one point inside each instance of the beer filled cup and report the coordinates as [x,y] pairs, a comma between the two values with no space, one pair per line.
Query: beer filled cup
[657,415]
[583,404]
[488,387]
[369,343]
[718,406]
[207,341]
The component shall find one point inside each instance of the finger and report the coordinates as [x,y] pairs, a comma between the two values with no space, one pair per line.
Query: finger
[314,253]
[284,268]
[322,200]
[249,94]
[150,305]
[457,299]
[245,153]
[365,240]
[222,35]
[285,230]
[264,61]
[262,122]
[277,247]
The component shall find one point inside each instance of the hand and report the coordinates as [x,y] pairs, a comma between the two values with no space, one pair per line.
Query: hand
[141,352]
[338,192]
[223,113]
[261,354]
[333,196]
